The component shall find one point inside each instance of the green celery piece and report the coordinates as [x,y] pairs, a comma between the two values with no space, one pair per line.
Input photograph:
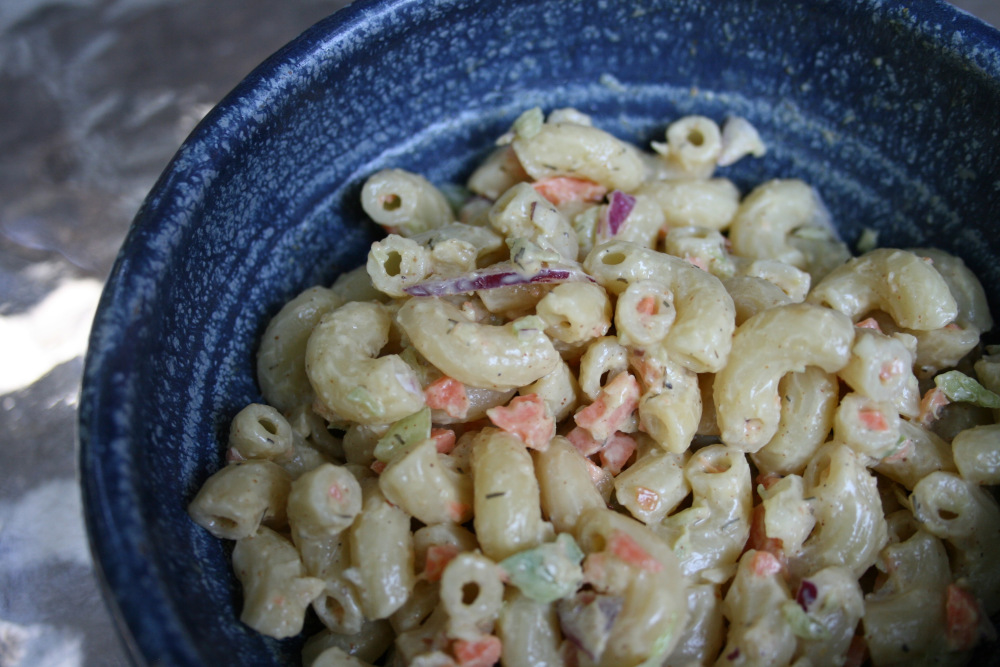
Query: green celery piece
[959,387]
[803,625]
[812,233]
[867,241]
[402,435]
[659,652]
[362,397]
[547,572]
[529,123]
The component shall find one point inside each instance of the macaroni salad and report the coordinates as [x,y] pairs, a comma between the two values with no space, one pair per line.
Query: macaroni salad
[598,407]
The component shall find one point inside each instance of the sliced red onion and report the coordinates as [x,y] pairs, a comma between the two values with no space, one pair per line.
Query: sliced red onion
[807,594]
[586,620]
[492,277]
[619,207]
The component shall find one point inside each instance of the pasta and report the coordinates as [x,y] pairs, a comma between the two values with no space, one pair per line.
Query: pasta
[610,411]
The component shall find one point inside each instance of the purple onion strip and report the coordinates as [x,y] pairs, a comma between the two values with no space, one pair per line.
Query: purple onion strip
[807,594]
[619,208]
[492,278]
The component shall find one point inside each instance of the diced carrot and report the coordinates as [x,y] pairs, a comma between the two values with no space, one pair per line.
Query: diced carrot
[583,441]
[444,439]
[378,466]
[647,499]
[930,406]
[713,468]
[482,652]
[650,373]
[963,616]
[438,557]
[622,545]
[869,323]
[598,475]
[902,453]
[528,418]
[765,564]
[612,407]
[873,419]
[891,369]
[697,261]
[952,327]
[447,394]
[768,480]
[758,533]
[760,542]
[563,189]
[646,305]
[459,512]
[616,452]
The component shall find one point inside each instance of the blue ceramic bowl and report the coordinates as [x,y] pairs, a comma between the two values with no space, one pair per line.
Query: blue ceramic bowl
[890,108]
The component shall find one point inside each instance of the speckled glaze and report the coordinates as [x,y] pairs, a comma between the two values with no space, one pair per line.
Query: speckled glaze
[890,108]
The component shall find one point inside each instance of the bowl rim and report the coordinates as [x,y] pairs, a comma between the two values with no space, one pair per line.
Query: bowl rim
[144,615]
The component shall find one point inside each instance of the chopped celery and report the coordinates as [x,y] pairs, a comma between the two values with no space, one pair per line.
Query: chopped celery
[362,397]
[547,572]
[529,123]
[959,387]
[812,233]
[803,625]
[402,435]
[868,240]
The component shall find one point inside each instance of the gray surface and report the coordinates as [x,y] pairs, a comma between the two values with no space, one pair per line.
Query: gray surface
[97,95]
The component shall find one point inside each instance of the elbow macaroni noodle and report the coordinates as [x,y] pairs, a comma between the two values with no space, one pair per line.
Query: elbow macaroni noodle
[612,412]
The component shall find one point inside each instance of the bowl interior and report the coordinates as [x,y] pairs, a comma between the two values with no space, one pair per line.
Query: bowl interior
[890,111]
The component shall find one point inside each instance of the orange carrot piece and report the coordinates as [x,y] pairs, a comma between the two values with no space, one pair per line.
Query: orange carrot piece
[647,499]
[444,439]
[612,407]
[563,189]
[646,305]
[760,542]
[765,564]
[963,616]
[528,418]
[616,452]
[447,394]
[622,545]
[583,441]
[869,323]
[459,512]
[482,652]
[930,406]
[873,419]
[438,557]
